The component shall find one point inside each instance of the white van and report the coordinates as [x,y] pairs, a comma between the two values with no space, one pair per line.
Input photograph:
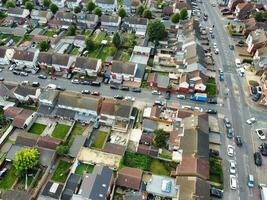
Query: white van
[237,62]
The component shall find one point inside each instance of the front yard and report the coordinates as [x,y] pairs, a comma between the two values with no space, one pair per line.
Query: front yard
[60,131]
[216,172]
[211,88]
[81,168]
[9,179]
[99,139]
[62,171]
[37,128]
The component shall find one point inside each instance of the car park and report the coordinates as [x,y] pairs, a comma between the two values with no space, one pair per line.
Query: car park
[214,192]
[211,111]
[41,76]
[251,121]
[137,90]
[230,150]
[75,81]
[250,181]
[124,88]
[238,141]
[85,92]
[263,149]
[261,134]
[156,92]
[257,159]
[230,133]
[233,182]
[181,96]
[120,97]
[232,167]
[114,87]
[227,122]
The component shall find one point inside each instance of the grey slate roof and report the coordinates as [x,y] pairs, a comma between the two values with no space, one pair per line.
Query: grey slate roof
[16,11]
[136,20]
[109,18]
[15,195]
[49,95]
[140,71]
[105,1]
[46,191]
[149,125]
[65,113]
[86,63]
[76,145]
[71,186]
[46,156]
[25,90]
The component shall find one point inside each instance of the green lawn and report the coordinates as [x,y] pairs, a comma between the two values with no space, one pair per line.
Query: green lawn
[62,171]
[50,33]
[99,37]
[104,53]
[216,172]
[81,168]
[60,131]
[37,128]
[9,179]
[99,140]
[211,88]
[77,130]
[93,54]
[75,52]
[124,57]
[158,167]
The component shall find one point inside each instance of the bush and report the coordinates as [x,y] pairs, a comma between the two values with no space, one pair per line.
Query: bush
[137,160]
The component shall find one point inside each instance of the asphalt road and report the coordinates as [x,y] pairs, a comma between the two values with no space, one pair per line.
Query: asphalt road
[237,109]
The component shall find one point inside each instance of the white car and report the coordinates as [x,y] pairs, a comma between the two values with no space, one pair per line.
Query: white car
[187,107]
[181,96]
[51,86]
[156,92]
[216,51]
[75,81]
[232,167]
[25,83]
[198,109]
[129,98]
[233,182]
[230,150]
[260,133]
[12,67]
[251,121]
[215,45]
[237,62]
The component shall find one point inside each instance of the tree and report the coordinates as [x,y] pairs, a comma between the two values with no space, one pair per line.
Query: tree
[53,8]
[259,17]
[10,4]
[29,5]
[156,30]
[97,11]
[25,1]
[46,3]
[90,6]
[175,18]
[116,40]
[25,160]
[147,14]
[122,13]
[44,45]
[77,9]
[62,150]
[90,44]
[160,139]
[183,13]
[140,10]
[71,30]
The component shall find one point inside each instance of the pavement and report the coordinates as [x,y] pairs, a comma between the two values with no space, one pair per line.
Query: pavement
[238,109]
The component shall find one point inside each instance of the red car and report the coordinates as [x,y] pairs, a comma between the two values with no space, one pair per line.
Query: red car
[95,93]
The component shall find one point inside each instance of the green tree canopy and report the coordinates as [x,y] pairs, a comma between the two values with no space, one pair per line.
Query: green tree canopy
[25,160]
[10,4]
[53,8]
[116,40]
[160,139]
[44,45]
[77,9]
[46,3]
[97,11]
[183,13]
[140,10]
[62,150]
[29,5]
[175,18]
[156,30]
[71,30]
[147,14]
[90,6]
[90,44]
[122,13]
[25,1]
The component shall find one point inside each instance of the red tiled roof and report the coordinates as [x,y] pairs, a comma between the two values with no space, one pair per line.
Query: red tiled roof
[155,111]
[48,142]
[152,77]
[12,112]
[20,119]
[130,178]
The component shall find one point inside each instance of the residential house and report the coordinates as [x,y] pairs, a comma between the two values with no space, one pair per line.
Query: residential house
[110,23]
[59,3]
[130,178]
[136,24]
[71,186]
[251,25]
[51,190]
[47,101]
[71,4]
[130,6]
[26,58]
[256,40]
[243,10]
[159,81]
[26,93]
[48,142]
[167,10]
[26,139]
[41,16]
[140,55]
[5,55]
[7,97]
[233,3]
[107,6]
[97,185]
[87,66]
[18,13]
[122,71]
[150,126]
[88,20]
[260,59]
[263,79]
[65,16]
[80,107]
[22,118]
[178,5]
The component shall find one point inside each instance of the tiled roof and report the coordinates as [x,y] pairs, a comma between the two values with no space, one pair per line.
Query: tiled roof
[129,177]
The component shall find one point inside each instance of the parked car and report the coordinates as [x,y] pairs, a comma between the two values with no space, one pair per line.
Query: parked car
[96,83]
[120,97]
[2,79]
[60,88]
[35,84]
[250,181]
[227,122]
[230,133]
[85,82]
[232,167]
[3,172]
[256,97]
[15,72]
[253,89]
[41,76]
[238,141]
[85,92]
[257,159]
[125,88]
[230,150]
[137,90]
[51,86]
[212,101]
[181,96]
[214,192]
[129,98]
[251,121]
[23,74]
[25,82]
[198,109]
[214,153]
[263,149]
[231,47]
[12,67]
[159,103]
[95,93]
[156,92]
[167,95]
[114,87]
[233,182]
[75,81]
[237,62]
[211,111]
[260,133]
